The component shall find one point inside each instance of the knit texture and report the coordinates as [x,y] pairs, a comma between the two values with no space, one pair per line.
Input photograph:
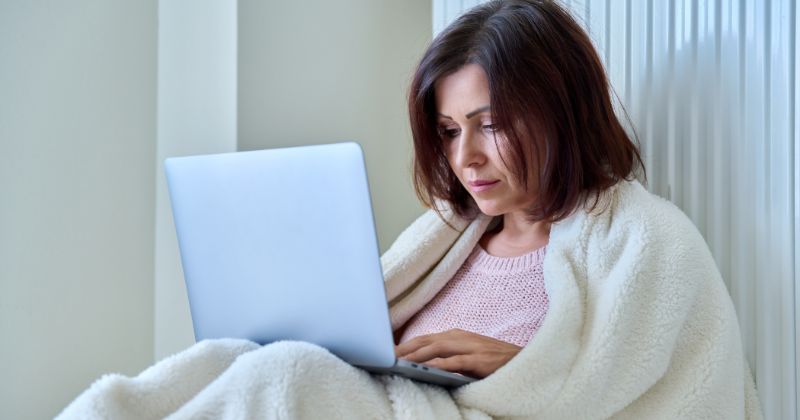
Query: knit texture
[499,297]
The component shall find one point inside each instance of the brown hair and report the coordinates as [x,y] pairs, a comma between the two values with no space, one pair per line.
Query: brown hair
[547,87]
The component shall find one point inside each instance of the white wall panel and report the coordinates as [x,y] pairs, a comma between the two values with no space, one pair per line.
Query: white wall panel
[710,86]
[197,114]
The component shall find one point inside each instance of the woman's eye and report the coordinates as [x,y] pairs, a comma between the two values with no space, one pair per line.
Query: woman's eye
[449,133]
[491,128]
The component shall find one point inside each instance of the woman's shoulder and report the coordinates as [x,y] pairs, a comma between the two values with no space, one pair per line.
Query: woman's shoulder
[637,229]
[637,204]
[629,211]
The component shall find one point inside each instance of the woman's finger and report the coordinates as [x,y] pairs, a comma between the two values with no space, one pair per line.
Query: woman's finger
[412,345]
[460,363]
[446,344]
[466,339]
[439,348]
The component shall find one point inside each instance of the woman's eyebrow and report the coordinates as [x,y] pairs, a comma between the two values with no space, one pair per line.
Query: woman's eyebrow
[469,114]
[477,111]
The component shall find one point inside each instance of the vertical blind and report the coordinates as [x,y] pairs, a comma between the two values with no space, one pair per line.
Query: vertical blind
[710,87]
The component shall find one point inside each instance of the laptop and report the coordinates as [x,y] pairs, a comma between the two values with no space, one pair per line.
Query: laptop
[280,244]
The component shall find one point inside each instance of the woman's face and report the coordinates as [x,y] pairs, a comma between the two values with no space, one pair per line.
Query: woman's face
[468,135]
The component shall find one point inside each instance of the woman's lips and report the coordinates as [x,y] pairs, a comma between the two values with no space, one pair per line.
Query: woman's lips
[478,186]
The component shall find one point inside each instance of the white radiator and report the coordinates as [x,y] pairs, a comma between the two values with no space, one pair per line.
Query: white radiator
[710,86]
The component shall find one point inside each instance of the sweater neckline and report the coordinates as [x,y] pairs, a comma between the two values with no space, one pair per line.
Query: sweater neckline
[483,260]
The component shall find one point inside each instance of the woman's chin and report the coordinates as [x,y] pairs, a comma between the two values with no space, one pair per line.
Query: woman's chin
[490,210]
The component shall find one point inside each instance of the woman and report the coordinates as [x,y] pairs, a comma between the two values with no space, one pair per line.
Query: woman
[511,116]
[543,267]
[516,139]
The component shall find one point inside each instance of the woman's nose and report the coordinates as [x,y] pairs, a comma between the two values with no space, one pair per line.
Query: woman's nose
[470,150]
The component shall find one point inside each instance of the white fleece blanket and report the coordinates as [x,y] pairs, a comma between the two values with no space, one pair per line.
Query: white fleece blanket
[640,325]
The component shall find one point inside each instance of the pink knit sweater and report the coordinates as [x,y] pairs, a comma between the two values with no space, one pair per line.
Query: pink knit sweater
[499,297]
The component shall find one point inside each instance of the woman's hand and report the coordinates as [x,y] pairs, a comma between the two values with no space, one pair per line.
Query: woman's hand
[459,351]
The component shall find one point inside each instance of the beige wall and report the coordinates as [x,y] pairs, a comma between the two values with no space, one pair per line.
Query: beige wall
[77,146]
[327,71]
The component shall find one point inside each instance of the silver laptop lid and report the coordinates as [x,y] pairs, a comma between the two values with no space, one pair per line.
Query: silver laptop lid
[281,245]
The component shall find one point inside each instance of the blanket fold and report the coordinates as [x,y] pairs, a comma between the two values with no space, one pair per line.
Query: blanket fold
[639,325]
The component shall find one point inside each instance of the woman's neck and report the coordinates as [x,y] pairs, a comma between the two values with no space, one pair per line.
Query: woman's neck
[515,236]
